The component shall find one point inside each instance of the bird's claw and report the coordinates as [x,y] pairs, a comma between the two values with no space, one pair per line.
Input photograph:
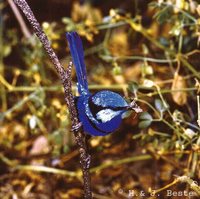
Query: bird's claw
[87,162]
[77,127]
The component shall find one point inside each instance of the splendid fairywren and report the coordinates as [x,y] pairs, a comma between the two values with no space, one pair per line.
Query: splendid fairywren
[100,113]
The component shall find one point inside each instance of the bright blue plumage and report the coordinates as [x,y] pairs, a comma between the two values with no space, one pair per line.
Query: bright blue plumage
[76,50]
[102,112]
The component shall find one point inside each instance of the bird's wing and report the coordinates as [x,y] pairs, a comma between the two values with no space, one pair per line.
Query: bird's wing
[76,49]
[108,99]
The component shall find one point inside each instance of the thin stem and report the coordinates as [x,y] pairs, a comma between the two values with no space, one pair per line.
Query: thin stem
[180,43]
[1,41]
[121,161]
[170,91]
[40,34]
[150,106]
[198,110]
[117,87]
[20,20]
[188,65]
[2,89]
[182,11]
[138,27]
[110,25]
[5,83]
[149,59]
[182,179]
[187,123]
[65,77]
[158,114]
[20,103]
[40,168]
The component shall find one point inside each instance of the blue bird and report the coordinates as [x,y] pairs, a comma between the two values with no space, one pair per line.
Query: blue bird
[100,113]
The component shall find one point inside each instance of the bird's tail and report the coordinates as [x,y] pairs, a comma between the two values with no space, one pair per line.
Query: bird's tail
[76,49]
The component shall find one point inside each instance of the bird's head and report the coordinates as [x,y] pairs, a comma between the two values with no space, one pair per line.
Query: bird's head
[107,105]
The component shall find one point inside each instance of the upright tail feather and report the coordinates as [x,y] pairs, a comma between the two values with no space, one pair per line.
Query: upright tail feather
[76,49]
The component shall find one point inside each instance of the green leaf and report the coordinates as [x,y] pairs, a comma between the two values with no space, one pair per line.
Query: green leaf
[164,41]
[117,70]
[144,124]
[6,50]
[165,14]
[159,105]
[66,148]
[133,87]
[146,116]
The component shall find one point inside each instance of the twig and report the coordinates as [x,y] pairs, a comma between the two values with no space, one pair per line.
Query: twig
[198,110]
[1,42]
[178,57]
[120,162]
[142,58]
[20,20]
[38,168]
[181,179]
[65,76]
[2,89]
[19,104]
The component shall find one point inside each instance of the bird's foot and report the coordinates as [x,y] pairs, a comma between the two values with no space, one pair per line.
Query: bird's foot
[87,162]
[76,127]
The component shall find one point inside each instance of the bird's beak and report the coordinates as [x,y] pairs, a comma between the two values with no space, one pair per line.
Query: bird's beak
[134,106]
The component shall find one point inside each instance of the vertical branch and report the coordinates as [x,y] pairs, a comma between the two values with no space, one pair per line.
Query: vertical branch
[19,18]
[40,34]
[198,110]
[1,39]
[65,76]
[2,88]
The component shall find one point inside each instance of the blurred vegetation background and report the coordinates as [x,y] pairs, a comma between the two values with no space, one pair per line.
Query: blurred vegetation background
[145,50]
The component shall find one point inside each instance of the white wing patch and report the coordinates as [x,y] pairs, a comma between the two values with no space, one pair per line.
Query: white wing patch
[106,115]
